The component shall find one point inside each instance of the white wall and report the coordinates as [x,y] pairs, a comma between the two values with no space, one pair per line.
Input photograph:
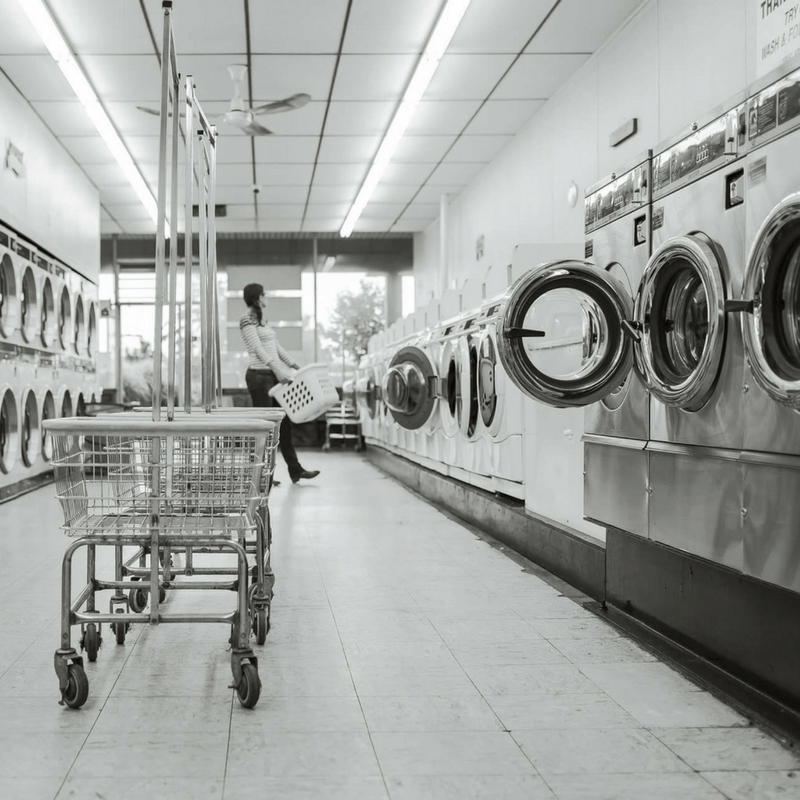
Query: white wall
[672,62]
[54,204]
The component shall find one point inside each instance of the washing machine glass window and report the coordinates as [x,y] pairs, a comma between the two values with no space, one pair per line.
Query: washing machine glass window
[563,339]
[487,391]
[80,325]
[681,306]
[66,405]
[9,431]
[8,297]
[80,406]
[48,412]
[772,281]
[64,318]
[28,305]
[470,410]
[31,430]
[48,317]
[91,330]
[617,396]
[408,388]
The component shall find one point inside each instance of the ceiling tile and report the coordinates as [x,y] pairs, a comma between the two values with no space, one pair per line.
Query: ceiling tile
[348,149]
[234,174]
[340,193]
[130,120]
[103,27]
[387,211]
[359,118]
[88,149]
[204,26]
[390,27]
[327,211]
[138,227]
[432,193]
[406,174]
[498,26]
[454,174]
[283,75]
[465,77]
[388,193]
[421,211]
[236,195]
[65,118]
[580,27]
[282,194]
[314,26]
[280,211]
[442,116]
[108,226]
[404,225]
[124,78]
[283,174]
[278,225]
[535,77]
[305,121]
[368,225]
[37,77]
[372,77]
[119,195]
[322,225]
[127,211]
[504,116]
[17,35]
[478,148]
[335,174]
[143,149]
[240,211]
[235,149]
[286,149]
[422,149]
[102,175]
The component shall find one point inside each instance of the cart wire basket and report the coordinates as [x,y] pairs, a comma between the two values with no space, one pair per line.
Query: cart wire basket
[189,483]
[310,394]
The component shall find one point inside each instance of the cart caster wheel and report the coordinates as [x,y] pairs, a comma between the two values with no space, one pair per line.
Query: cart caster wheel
[261,624]
[137,598]
[162,594]
[249,688]
[77,691]
[120,628]
[91,641]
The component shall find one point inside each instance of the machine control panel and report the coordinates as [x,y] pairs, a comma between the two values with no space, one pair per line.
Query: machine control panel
[705,150]
[620,196]
[774,110]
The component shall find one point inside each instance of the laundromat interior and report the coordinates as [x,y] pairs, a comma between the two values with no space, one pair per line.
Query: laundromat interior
[545,538]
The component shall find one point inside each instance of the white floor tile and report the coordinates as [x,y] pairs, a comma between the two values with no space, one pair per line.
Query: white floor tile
[469,787]
[429,713]
[548,711]
[743,785]
[665,786]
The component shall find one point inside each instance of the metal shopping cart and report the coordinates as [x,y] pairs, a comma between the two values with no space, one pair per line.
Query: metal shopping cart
[160,485]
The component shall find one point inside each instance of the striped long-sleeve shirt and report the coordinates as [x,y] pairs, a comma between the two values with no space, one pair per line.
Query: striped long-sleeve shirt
[263,348]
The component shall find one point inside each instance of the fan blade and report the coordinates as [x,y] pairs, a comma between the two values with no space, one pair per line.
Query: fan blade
[287,104]
[255,129]
[149,110]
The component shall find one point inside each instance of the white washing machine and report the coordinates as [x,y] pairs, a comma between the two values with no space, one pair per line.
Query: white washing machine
[770,460]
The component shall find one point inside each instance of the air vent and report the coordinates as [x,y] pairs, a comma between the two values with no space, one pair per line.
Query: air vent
[219,211]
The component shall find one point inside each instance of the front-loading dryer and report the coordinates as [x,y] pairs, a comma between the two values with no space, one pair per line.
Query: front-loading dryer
[691,344]
[770,503]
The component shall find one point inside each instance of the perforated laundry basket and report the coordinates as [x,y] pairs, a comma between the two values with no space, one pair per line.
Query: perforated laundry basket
[310,393]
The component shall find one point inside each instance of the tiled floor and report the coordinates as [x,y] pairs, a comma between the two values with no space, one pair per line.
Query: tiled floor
[409,660]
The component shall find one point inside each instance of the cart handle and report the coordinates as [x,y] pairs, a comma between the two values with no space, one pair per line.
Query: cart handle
[182,426]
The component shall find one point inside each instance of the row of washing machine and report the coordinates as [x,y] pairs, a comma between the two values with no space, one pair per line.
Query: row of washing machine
[678,333]
[48,333]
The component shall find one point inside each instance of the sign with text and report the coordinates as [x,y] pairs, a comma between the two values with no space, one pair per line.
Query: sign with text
[777,32]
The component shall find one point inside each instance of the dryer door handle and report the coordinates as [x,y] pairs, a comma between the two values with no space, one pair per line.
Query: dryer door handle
[434,386]
[523,333]
[632,329]
[738,306]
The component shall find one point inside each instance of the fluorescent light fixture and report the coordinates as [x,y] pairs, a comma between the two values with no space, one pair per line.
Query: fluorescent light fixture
[43,23]
[438,42]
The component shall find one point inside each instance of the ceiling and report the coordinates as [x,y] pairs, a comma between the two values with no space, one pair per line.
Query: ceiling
[354,57]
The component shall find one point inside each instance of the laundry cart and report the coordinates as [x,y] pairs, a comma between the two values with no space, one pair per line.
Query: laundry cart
[156,485]
[343,427]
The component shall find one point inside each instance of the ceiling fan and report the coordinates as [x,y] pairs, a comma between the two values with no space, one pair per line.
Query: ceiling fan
[242,117]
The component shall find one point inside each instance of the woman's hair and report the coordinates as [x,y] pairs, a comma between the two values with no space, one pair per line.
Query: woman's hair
[252,296]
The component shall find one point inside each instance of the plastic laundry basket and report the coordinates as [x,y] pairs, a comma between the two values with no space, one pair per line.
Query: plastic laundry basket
[310,393]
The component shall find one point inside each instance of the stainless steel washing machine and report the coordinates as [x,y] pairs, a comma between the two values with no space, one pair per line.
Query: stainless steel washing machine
[617,427]
[691,344]
[770,461]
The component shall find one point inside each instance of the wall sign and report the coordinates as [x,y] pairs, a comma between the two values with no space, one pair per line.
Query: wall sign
[15,160]
[479,248]
[777,32]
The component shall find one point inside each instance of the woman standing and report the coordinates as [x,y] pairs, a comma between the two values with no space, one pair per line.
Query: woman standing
[269,364]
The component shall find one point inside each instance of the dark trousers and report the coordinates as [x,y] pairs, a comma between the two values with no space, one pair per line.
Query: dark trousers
[259,382]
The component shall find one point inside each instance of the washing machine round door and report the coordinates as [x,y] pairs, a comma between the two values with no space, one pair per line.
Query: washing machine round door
[409,388]
[451,387]
[491,391]
[366,392]
[772,284]
[565,336]
[9,305]
[467,406]
[681,314]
